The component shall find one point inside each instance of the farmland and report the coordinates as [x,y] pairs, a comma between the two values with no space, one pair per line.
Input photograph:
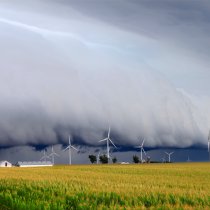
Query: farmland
[142,186]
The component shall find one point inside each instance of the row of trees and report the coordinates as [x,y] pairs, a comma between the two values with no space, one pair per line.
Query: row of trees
[136,159]
[104,159]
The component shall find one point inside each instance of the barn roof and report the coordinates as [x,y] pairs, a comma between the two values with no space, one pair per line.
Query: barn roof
[33,163]
[2,161]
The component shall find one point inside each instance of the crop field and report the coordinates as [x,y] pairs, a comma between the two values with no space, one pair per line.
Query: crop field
[142,186]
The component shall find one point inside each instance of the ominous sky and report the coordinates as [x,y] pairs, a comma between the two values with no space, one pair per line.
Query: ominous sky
[77,67]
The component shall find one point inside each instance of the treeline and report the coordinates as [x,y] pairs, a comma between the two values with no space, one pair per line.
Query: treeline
[104,159]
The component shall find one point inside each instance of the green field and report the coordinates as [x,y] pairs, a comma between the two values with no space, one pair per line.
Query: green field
[142,186]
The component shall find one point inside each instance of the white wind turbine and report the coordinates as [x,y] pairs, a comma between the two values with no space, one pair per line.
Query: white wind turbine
[163,160]
[142,149]
[69,147]
[45,156]
[98,157]
[53,154]
[169,155]
[107,139]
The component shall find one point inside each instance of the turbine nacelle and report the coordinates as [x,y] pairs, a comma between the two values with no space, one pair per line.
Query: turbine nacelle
[53,154]
[141,147]
[69,147]
[169,155]
[108,139]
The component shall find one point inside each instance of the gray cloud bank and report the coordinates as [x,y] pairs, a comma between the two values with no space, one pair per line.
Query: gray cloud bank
[76,67]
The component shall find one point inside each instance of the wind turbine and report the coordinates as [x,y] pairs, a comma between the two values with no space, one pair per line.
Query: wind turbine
[98,157]
[53,154]
[142,149]
[45,156]
[169,155]
[107,139]
[209,145]
[69,147]
[163,160]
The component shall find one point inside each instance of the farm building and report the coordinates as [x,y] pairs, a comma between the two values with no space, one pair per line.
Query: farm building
[124,163]
[34,164]
[5,163]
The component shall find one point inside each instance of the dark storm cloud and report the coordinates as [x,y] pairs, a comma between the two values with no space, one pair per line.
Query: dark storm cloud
[79,66]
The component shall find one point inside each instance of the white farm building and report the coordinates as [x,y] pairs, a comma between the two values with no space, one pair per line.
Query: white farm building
[34,164]
[5,163]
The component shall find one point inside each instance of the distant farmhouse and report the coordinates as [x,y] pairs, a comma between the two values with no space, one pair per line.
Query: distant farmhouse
[34,164]
[5,163]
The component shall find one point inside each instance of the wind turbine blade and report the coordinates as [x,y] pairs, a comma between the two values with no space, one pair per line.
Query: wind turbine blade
[56,154]
[66,149]
[103,140]
[112,143]
[43,158]
[143,142]
[144,151]
[74,148]
[53,153]
[137,147]
[166,153]
[171,153]
[109,132]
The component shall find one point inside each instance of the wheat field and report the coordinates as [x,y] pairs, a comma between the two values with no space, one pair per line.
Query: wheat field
[141,186]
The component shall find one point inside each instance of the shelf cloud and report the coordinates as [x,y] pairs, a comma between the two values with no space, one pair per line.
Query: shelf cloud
[77,67]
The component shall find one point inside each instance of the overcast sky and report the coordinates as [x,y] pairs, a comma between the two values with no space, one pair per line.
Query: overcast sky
[76,67]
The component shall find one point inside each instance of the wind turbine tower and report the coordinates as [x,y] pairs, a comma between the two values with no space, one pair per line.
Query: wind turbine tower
[98,157]
[169,156]
[69,147]
[53,154]
[108,139]
[142,149]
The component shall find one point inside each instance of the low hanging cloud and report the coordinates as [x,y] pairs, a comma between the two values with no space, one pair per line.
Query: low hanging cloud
[64,70]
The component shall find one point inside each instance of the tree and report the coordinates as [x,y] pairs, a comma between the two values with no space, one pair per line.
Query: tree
[103,159]
[92,158]
[114,159]
[135,159]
